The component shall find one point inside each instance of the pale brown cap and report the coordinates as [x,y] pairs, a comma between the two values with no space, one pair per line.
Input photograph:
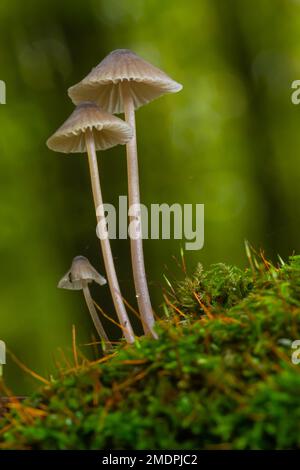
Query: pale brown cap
[103,83]
[80,274]
[108,130]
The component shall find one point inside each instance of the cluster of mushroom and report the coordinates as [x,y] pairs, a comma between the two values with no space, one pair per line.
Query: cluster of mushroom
[121,83]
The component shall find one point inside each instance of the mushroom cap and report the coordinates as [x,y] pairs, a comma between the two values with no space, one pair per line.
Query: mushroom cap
[103,83]
[80,274]
[2,353]
[108,130]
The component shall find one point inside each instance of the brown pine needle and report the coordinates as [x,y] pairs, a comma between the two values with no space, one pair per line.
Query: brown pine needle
[28,370]
[94,343]
[32,412]
[266,263]
[109,318]
[132,380]
[103,359]
[74,347]
[132,309]
[134,362]
[12,399]
[229,320]
[68,364]
[168,301]
[203,306]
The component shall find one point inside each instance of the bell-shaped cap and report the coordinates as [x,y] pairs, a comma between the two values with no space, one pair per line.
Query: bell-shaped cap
[80,274]
[2,353]
[108,130]
[103,84]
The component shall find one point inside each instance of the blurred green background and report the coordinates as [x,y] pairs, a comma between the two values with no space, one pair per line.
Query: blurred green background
[229,140]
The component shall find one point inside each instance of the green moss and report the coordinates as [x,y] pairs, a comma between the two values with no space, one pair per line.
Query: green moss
[220,376]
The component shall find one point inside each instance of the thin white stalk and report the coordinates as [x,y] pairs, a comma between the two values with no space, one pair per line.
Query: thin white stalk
[105,243]
[96,320]
[137,254]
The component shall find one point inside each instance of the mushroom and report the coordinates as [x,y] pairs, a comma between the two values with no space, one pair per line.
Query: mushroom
[2,356]
[80,275]
[89,129]
[123,82]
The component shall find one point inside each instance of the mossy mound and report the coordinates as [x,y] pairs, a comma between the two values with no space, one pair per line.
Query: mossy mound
[220,376]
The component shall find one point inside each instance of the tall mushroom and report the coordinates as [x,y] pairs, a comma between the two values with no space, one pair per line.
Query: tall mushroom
[123,82]
[79,276]
[89,129]
[2,356]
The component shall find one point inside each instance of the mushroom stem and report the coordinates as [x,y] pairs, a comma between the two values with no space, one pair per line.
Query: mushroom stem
[105,243]
[137,254]
[2,357]
[96,320]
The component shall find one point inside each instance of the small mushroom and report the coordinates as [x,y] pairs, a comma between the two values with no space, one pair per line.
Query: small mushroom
[2,356]
[89,129]
[81,274]
[123,82]
[119,70]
